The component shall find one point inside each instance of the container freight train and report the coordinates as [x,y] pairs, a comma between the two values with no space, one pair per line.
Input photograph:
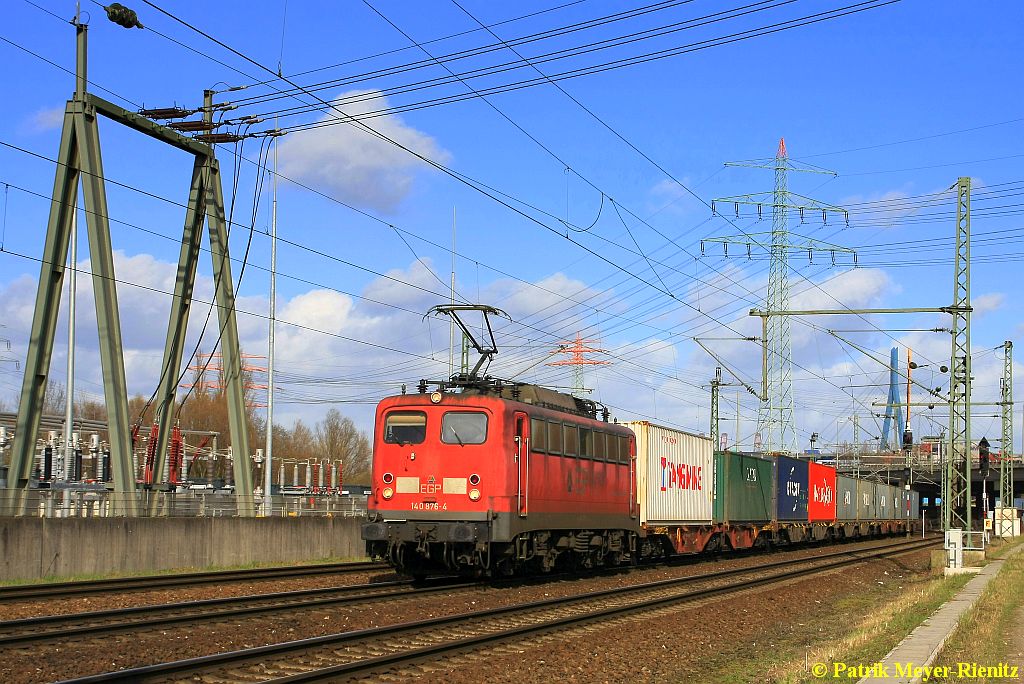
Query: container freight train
[501,478]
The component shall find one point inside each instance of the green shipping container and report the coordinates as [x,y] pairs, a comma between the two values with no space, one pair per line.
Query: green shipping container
[743,488]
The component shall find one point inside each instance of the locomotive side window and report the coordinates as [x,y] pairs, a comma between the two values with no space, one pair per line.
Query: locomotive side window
[463,427]
[554,438]
[539,435]
[600,449]
[623,448]
[586,443]
[572,444]
[405,427]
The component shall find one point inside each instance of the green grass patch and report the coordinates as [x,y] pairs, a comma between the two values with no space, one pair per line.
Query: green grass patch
[985,633]
[1000,548]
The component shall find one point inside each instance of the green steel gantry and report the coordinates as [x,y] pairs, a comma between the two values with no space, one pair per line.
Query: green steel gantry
[956,500]
[1005,526]
[956,487]
[80,160]
[716,386]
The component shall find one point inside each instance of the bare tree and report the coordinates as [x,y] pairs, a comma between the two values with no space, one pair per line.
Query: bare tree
[337,438]
[54,399]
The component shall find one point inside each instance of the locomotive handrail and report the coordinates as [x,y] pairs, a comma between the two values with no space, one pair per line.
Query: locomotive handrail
[526,509]
[519,475]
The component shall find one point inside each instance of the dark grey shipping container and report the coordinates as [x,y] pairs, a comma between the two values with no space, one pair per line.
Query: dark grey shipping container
[846,498]
[915,505]
[887,500]
[867,500]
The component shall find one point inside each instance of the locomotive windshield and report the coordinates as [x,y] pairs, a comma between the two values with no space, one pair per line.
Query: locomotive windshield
[461,427]
[405,427]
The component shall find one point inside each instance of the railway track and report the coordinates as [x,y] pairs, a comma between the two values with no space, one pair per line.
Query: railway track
[98,624]
[106,586]
[348,654]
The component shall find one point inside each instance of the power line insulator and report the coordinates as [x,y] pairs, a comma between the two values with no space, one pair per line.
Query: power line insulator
[123,16]
[166,113]
[214,138]
[192,126]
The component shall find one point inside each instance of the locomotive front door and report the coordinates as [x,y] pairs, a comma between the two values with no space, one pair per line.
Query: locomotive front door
[522,456]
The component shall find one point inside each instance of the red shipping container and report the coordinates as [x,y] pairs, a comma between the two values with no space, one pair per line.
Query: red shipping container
[821,490]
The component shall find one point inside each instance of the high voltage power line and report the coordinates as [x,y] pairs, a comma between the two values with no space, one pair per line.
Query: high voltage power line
[151,3]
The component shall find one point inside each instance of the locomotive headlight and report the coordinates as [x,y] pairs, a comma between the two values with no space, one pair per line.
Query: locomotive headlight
[435,398]
[474,479]
[387,478]
[474,494]
[388,492]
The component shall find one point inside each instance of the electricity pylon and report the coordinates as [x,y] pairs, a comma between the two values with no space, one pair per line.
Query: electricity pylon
[775,417]
[577,349]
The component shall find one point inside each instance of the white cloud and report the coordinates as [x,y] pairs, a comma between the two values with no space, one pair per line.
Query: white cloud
[988,302]
[669,196]
[46,119]
[354,165]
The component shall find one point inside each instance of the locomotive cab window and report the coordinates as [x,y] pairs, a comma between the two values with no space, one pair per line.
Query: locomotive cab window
[463,427]
[405,427]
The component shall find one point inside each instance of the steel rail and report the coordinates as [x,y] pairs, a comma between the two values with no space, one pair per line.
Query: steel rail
[103,586]
[137,618]
[261,654]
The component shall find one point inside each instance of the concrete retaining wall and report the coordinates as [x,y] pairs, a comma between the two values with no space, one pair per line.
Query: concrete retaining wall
[33,548]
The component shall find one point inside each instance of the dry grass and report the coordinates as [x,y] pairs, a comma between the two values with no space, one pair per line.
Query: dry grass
[884,620]
[985,633]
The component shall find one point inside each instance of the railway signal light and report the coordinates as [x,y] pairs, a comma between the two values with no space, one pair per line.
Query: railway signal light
[983,456]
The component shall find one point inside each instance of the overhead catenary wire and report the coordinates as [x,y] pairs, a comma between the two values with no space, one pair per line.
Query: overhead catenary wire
[151,3]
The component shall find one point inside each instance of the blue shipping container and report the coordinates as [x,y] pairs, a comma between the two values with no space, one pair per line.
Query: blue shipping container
[790,488]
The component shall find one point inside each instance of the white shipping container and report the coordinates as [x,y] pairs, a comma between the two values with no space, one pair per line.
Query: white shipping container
[675,475]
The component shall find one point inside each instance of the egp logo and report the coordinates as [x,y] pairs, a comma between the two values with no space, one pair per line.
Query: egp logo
[824,494]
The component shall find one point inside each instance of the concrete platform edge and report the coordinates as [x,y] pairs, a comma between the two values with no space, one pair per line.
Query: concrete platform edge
[922,646]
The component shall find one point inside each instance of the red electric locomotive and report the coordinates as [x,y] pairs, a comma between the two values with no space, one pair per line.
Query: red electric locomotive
[489,477]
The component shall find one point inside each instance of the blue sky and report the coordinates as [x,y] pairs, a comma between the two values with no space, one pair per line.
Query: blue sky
[899,100]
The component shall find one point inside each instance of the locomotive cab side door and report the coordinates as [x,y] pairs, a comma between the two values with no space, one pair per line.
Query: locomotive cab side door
[521,453]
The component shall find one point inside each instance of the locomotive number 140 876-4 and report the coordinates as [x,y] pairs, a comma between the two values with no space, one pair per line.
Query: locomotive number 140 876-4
[429,506]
